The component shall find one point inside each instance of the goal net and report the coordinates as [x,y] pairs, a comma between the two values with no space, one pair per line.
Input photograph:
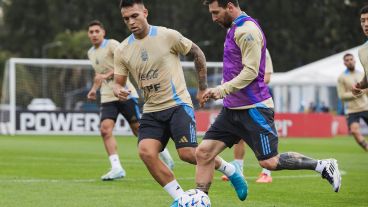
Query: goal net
[48,96]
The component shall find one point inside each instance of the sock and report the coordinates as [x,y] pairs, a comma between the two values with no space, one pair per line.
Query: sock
[115,162]
[241,163]
[174,189]
[226,168]
[267,172]
[165,155]
[320,165]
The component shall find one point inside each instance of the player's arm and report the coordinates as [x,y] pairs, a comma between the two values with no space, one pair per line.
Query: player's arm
[120,77]
[201,68]
[267,78]
[119,88]
[342,92]
[250,43]
[96,85]
[184,46]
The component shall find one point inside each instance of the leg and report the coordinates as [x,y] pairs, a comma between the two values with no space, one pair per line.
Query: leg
[166,157]
[355,131]
[205,155]
[107,125]
[295,161]
[109,140]
[148,152]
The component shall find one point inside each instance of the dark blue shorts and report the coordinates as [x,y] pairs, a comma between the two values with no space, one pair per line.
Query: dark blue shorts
[355,117]
[129,109]
[177,123]
[255,126]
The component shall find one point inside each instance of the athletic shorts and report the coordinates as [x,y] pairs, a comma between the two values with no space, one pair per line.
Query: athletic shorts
[177,123]
[129,109]
[255,126]
[355,117]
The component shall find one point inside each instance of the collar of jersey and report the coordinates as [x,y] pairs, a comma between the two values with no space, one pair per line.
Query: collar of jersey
[152,32]
[239,18]
[103,44]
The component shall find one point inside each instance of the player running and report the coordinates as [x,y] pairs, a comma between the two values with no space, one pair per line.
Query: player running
[101,55]
[151,55]
[248,107]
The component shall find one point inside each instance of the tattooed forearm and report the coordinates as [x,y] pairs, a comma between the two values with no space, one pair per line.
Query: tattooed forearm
[295,161]
[205,187]
[200,65]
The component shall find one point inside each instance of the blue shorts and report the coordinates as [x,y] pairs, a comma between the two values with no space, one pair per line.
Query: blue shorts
[255,126]
[177,123]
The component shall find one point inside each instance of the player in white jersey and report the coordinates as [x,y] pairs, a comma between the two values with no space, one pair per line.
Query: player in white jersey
[101,56]
[151,54]
[363,53]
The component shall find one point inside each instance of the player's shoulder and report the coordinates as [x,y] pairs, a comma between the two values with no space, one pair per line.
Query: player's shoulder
[363,48]
[90,51]
[249,30]
[112,42]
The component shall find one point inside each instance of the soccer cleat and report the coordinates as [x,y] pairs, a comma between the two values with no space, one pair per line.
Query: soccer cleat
[175,203]
[239,183]
[114,174]
[264,178]
[332,174]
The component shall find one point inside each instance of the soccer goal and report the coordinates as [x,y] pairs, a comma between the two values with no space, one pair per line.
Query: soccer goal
[48,96]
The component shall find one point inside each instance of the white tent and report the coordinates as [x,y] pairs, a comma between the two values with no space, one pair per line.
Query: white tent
[312,83]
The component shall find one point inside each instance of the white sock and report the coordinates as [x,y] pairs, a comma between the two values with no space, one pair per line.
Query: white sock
[267,172]
[174,189]
[115,162]
[320,165]
[165,155]
[241,163]
[226,168]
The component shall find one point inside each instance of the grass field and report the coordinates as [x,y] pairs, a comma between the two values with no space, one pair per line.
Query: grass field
[53,171]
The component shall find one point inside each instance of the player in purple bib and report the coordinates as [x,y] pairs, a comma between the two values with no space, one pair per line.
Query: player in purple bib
[248,106]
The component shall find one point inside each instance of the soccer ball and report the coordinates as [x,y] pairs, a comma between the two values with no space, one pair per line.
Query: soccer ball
[194,198]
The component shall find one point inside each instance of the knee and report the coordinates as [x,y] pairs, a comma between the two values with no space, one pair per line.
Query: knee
[203,154]
[187,155]
[106,132]
[269,164]
[354,129]
[145,154]
[135,127]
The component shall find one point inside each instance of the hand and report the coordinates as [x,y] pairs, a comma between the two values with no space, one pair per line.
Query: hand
[357,90]
[100,77]
[212,93]
[200,98]
[91,95]
[122,93]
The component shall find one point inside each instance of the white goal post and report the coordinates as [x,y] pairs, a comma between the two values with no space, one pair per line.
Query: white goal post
[48,96]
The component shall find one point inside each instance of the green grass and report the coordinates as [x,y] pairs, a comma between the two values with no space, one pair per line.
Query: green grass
[64,171]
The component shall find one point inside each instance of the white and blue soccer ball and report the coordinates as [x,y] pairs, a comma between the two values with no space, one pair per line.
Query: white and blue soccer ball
[194,198]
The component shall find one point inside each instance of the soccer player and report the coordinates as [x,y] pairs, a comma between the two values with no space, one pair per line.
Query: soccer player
[356,106]
[248,107]
[239,149]
[363,53]
[101,56]
[151,55]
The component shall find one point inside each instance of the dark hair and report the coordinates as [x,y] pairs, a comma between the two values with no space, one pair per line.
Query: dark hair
[364,10]
[222,3]
[95,22]
[127,3]
[347,55]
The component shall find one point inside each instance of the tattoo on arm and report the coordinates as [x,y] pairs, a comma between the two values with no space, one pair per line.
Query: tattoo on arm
[200,65]
[295,161]
[205,187]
